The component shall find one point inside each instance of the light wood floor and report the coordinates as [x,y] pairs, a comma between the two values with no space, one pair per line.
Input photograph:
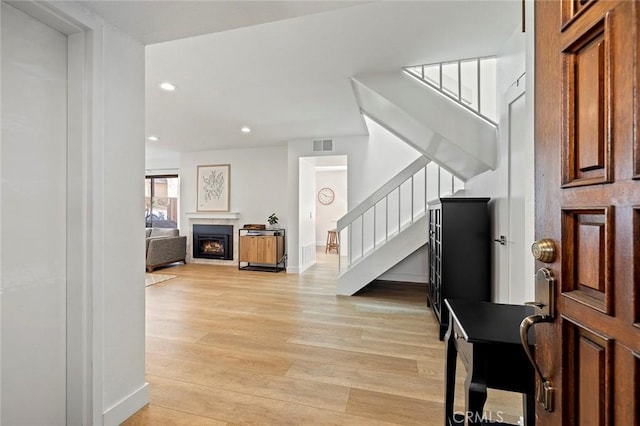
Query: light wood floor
[229,347]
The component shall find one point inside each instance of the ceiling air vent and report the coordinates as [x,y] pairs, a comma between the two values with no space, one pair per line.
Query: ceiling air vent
[322,145]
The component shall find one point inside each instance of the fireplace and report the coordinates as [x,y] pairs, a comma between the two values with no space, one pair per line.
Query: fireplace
[213,242]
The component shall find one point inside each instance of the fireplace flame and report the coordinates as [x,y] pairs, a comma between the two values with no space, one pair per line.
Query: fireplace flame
[212,247]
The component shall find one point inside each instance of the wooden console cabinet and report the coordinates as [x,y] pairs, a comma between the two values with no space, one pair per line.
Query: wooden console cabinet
[459,253]
[261,250]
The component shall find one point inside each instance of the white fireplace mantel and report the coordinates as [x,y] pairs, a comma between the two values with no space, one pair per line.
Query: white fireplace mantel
[213,215]
[213,218]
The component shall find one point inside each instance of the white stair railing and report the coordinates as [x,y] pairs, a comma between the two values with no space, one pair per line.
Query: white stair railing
[383,215]
[470,82]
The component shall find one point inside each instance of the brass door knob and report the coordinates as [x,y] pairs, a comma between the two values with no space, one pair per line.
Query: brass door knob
[544,250]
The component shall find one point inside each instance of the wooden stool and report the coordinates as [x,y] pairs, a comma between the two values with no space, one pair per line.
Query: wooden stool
[333,241]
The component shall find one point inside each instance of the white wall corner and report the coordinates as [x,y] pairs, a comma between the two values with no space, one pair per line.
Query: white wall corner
[125,408]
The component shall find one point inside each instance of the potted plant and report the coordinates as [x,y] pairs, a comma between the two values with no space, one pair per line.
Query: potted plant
[273,220]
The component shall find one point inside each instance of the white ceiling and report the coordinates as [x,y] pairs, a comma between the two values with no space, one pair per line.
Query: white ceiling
[283,68]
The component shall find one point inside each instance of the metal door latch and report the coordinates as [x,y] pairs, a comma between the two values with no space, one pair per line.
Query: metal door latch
[545,312]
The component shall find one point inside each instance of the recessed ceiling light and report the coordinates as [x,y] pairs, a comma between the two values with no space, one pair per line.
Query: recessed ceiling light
[153,138]
[167,86]
[245,129]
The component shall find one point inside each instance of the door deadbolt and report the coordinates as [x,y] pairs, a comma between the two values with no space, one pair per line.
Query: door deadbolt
[544,250]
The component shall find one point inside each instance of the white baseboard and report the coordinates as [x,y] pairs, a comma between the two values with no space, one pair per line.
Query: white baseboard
[410,278]
[305,267]
[307,259]
[299,269]
[126,407]
[293,270]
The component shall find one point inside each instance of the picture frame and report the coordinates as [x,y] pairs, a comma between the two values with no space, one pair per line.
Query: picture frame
[214,188]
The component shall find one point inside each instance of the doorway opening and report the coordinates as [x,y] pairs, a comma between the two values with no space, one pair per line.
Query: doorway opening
[323,200]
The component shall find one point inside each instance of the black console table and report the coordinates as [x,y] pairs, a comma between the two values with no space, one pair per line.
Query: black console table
[487,338]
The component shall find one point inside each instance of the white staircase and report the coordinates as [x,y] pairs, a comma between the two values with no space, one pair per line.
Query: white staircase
[458,139]
[438,109]
[384,229]
[384,258]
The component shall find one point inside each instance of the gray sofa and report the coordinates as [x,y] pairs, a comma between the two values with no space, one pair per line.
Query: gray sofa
[165,246]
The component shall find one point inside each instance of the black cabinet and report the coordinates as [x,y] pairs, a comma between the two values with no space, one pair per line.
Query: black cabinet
[459,253]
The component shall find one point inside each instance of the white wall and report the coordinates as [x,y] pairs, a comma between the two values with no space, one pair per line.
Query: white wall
[122,248]
[258,178]
[380,159]
[433,181]
[307,213]
[258,182]
[158,162]
[327,215]
[106,201]
[512,63]
[1,219]
[413,269]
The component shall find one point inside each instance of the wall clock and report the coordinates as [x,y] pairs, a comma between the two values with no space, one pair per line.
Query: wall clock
[326,196]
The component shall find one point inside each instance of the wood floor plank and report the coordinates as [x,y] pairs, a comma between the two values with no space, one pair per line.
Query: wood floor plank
[428,339]
[408,411]
[305,392]
[240,408]
[431,365]
[368,379]
[266,347]
[372,322]
[155,415]
[279,327]
[174,330]
[209,353]
[240,347]
[384,348]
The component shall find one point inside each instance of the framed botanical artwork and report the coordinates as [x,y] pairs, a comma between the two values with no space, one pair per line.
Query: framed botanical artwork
[214,186]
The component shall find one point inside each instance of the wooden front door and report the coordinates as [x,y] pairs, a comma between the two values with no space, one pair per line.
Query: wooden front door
[588,201]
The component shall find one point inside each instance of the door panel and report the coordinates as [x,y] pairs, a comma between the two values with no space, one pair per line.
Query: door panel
[588,202]
[248,248]
[267,249]
[586,77]
[34,214]
[636,264]
[587,243]
[571,9]
[587,364]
